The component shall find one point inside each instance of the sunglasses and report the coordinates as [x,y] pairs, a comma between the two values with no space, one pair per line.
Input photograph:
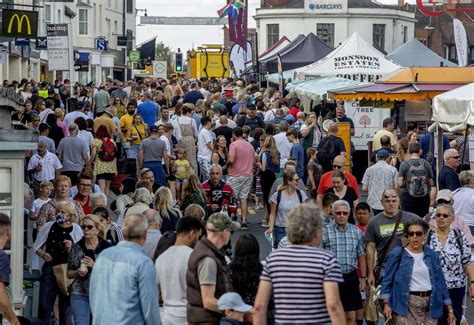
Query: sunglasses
[455,157]
[416,233]
[88,227]
[339,213]
[336,166]
[444,215]
[441,201]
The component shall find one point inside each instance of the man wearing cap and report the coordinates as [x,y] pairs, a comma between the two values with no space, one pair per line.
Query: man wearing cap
[279,117]
[448,178]
[151,154]
[105,118]
[378,178]
[100,100]
[234,308]
[208,276]
[251,119]
[446,197]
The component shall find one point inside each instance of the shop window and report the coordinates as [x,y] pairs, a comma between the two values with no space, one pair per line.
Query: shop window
[378,36]
[325,32]
[273,34]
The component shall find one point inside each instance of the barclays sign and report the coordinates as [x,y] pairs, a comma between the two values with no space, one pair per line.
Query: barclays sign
[325,6]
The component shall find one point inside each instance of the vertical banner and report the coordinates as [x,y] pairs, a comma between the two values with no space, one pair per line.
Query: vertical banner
[460,38]
[344,132]
[280,74]
[237,12]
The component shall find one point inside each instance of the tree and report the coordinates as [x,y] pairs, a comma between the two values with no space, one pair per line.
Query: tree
[165,53]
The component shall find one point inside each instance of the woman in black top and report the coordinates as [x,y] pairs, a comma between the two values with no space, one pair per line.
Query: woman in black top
[164,206]
[81,261]
[344,192]
[219,155]
[55,132]
[53,245]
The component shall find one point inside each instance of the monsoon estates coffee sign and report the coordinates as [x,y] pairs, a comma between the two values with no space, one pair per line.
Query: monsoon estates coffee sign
[357,61]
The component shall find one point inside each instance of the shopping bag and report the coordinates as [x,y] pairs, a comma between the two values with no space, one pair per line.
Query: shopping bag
[371,312]
[60,273]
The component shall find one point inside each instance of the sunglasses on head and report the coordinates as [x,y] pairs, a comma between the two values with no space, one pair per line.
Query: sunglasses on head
[393,196]
[344,213]
[88,227]
[336,166]
[416,233]
[444,215]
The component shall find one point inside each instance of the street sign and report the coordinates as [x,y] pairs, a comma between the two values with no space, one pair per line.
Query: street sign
[19,23]
[160,69]
[122,40]
[134,56]
[101,43]
[157,20]
[41,43]
[22,42]
[58,46]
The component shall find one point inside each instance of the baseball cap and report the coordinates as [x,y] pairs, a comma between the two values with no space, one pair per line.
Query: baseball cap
[233,301]
[251,107]
[154,128]
[220,221]
[445,195]
[217,107]
[383,153]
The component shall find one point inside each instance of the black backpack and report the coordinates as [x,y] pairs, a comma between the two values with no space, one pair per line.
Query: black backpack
[417,179]
[327,152]
[298,192]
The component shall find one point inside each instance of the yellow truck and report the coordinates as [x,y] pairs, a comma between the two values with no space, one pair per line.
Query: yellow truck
[209,61]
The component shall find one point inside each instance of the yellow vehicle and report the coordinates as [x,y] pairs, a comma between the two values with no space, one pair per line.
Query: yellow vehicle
[208,61]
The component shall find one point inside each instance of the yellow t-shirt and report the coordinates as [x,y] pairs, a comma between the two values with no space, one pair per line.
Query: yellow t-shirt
[181,168]
[134,129]
[380,133]
[125,122]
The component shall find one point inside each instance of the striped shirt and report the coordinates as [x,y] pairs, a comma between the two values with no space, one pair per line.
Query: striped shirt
[297,274]
[347,245]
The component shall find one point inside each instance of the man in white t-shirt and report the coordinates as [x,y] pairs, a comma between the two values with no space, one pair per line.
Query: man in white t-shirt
[205,147]
[171,268]
[283,145]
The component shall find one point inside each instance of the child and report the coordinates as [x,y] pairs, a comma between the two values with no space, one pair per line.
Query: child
[46,188]
[234,308]
[182,166]
[314,172]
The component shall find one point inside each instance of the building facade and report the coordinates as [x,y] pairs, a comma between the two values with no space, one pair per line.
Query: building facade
[87,20]
[333,21]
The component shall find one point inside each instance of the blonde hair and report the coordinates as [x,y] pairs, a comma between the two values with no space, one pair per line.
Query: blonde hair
[163,201]
[69,207]
[100,227]
[59,113]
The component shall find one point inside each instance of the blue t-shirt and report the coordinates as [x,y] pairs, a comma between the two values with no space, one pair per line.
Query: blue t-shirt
[148,111]
[297,153]
[192,97]
[448,179]
[4,268]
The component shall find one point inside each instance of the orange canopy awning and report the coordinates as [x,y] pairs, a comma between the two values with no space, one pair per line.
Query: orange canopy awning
[462,75]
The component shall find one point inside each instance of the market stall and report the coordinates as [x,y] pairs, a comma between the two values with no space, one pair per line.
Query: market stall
[414,54]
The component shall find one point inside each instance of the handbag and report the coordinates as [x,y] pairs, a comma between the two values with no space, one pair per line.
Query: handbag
[384,252]
[371,312]
[60,273]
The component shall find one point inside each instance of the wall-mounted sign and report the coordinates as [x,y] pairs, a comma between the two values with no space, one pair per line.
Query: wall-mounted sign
[41,43]
[325,6]
[19,23]
[134,56]
[22,42]
[122,40]
[101,43]
[81,61]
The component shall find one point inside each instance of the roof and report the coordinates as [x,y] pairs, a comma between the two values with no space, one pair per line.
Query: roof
[454,75]
[454,109]
[280,44]
[414,54]
[363,4]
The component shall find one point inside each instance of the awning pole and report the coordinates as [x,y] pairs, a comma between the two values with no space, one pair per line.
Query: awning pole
[440,159]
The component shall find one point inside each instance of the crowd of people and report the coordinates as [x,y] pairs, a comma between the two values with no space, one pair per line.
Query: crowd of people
[135,189]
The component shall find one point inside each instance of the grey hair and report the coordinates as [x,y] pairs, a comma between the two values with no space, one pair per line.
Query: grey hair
[447,153]
[69,205]
[142,195]
[303,222]
[341,202]
[98,195]
[152,216]
[216,166]
[448,207]
[134,226]
[73,127]
[465,177]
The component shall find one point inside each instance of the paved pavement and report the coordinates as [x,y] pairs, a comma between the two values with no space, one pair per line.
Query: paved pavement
[258,231]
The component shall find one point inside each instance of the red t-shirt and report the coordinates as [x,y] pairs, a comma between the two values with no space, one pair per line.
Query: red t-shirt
[294,111]
[326,182]
[86,208]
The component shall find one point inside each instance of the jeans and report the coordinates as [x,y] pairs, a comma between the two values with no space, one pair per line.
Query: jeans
[457,296]
[48,291]
[81,310]
[158,171]
[278,234]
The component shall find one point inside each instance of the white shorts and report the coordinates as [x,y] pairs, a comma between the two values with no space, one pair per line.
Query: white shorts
[241,185]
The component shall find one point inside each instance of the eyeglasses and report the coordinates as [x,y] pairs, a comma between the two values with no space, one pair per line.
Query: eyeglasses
[416,233]
[84,185]
[444,215]
[454,157]
[88,227]
[336,166]
[338,213]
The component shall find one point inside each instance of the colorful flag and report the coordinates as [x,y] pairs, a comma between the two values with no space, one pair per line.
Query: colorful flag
[237,11]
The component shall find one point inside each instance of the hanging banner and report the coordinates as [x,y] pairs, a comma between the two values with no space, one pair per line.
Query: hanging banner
[460,38]
[367,120]
[237,11]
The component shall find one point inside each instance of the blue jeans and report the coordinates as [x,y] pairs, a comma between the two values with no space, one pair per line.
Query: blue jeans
[278,234]
[457,297]
[158,171]
[81,310]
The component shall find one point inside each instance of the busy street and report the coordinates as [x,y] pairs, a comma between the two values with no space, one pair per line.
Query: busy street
[237,162]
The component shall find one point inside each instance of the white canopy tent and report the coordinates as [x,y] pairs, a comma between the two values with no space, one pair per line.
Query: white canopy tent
[453,111]
[354,59]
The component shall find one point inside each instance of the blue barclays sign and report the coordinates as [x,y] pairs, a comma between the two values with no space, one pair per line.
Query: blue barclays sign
[325,6]
[101,43]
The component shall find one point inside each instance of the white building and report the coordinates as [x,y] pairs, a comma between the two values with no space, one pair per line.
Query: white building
[87,20]
[333,21]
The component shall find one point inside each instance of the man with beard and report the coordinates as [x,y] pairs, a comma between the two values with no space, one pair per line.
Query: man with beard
[219,194]
[125,122]
[171,268]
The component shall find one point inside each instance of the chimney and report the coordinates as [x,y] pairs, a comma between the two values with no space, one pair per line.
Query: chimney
[401,3]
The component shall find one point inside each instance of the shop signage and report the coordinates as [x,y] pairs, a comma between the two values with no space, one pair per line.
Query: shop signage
[81,61]
[41,43]
[325,6]
[19,23]
[134,56]
[160,69]
[101,43]
[22,42]
[122,40]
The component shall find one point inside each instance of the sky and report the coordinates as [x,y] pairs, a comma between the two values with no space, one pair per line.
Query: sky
[191,36]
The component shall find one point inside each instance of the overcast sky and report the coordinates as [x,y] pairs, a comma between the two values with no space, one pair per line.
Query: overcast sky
[185,37]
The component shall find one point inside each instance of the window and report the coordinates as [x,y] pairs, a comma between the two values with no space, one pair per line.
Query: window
[60,16]
[405,34]
[273,34]
[326,33]
[47,14]
[83,22]
[130,6]
[452,55]
[378,36]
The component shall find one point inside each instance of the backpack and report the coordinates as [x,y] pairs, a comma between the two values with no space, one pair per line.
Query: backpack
[417,180]
[298,192]
[327,152]
[459,241]
[107,150]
